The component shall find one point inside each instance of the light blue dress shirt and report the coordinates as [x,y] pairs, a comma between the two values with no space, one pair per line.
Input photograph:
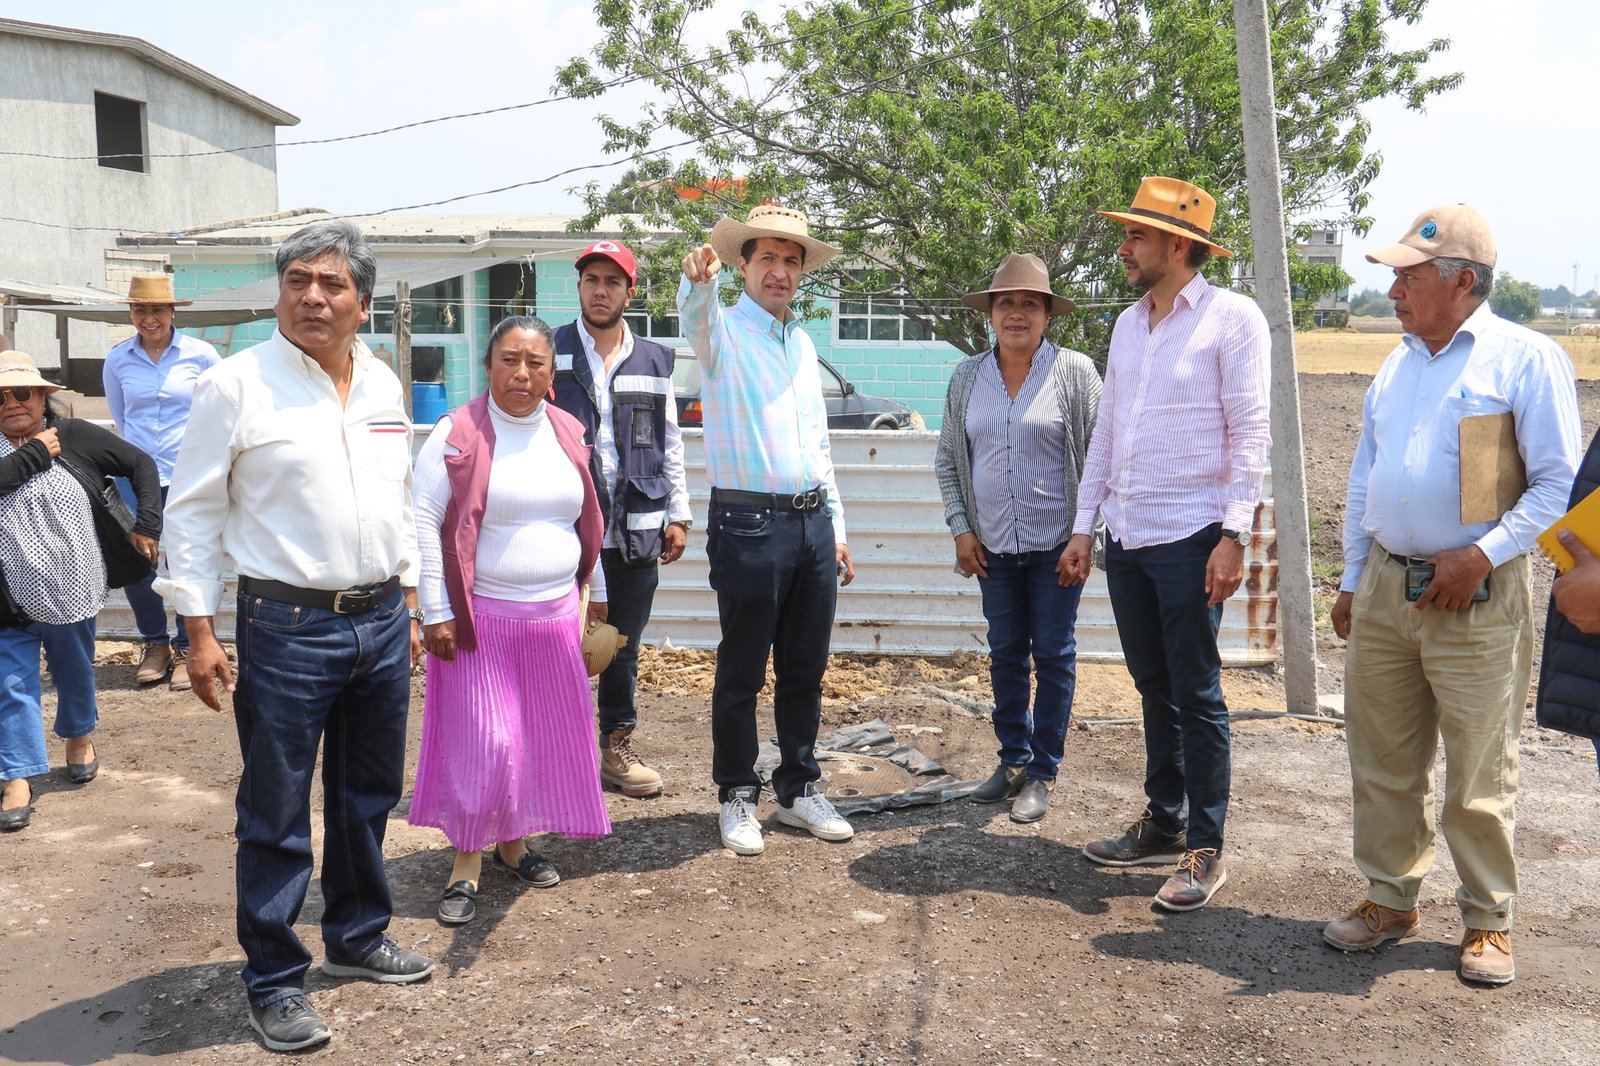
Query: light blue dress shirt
[149,399]
[1019,449]
[1405,480]
[765,421]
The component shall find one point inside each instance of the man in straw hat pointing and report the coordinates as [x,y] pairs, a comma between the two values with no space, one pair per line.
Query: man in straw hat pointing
[776,536]
[1435,598]
[1175,470]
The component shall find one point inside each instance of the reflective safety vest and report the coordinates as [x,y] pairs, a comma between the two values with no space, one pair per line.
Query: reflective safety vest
[636,505]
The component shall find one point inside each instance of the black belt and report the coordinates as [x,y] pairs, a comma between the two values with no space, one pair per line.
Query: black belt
[1406,560]
[810,500]
[343,601]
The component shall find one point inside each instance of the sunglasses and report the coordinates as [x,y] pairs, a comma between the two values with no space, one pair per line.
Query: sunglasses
[21,394]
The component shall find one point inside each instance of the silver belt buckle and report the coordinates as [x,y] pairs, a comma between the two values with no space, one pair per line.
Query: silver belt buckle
[338,601]
[800,501]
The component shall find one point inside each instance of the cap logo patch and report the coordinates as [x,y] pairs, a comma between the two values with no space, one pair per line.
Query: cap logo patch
[1428,231]
[606,246]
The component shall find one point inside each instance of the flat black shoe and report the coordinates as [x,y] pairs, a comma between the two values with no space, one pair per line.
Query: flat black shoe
[82,775]
[533,869]
[388,963]
[1003,784]
[289,1025]
[16,817]
[459,904]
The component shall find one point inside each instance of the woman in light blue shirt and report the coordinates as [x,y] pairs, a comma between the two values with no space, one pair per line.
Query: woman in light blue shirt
[1017,423]
[149,382]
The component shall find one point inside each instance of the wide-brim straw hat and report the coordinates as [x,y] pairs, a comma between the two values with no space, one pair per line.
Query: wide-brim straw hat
[1176,206]
[17,369]
[1020,271]
[601,642]
[768,220]
[152,289]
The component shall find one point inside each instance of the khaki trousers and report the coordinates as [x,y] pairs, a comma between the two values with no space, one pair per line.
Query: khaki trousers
[1411,677]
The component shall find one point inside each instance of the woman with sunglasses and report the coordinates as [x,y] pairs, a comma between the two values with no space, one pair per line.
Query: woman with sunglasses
[61,546]
[149,382]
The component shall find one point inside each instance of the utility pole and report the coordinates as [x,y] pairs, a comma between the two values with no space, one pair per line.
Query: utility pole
[1572,297]
[1296,610]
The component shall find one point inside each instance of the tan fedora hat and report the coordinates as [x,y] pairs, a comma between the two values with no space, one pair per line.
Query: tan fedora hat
[18,370]
[1449,231]
[1024,272]
[152,289]
[768,220]
[1176,206]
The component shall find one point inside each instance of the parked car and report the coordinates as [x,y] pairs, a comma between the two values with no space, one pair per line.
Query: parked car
[848,408]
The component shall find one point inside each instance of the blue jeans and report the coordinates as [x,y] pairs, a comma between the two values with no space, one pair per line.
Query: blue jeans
[69,650]
[308,676]
[774,574]
[149,610]
[630,592]
[1169,639]
[1029,613]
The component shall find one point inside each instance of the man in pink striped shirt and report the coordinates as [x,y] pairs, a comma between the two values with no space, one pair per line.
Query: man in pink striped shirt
[1175,470]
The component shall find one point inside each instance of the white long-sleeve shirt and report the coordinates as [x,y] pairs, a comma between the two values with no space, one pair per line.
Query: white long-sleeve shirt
[528,546]
[294,487]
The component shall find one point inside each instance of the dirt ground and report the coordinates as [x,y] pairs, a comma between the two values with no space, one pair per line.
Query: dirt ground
[941,934]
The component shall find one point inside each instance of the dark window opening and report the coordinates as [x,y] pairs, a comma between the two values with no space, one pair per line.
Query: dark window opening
[119,133]
[511,291]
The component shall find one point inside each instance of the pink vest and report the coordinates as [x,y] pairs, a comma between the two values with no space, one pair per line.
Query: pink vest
[472,434]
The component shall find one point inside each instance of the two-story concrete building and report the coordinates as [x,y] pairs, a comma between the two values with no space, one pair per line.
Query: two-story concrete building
[108,134]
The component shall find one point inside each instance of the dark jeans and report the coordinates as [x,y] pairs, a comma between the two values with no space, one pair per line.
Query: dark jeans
[308,676]
[1029,613]
[149,611]
[1169,638]
[774,574]
[630,591]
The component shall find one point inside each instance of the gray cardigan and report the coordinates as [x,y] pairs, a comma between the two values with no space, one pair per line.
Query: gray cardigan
[1077,386]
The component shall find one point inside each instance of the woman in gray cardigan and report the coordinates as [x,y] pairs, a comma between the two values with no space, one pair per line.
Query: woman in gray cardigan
[1017,422]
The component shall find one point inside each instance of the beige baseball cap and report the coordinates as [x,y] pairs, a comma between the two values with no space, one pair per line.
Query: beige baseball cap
[1449,231]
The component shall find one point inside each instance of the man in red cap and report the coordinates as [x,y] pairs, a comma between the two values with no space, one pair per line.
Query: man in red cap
[620,387]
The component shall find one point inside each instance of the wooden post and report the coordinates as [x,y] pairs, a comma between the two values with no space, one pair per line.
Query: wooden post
[1296,610]
[402,339]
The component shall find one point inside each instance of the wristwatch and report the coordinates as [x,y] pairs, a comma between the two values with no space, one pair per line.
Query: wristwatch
[415,613]
[1238,536]
[686,523]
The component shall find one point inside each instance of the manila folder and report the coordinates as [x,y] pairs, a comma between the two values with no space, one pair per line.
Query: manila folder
[1493,478]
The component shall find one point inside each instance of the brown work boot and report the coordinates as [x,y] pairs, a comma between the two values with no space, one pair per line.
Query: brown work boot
[1486,957]
[154,665]
[621,768]
[180,671]
[1368,926]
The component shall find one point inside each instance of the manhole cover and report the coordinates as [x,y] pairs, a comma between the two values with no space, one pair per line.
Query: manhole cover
[853,776]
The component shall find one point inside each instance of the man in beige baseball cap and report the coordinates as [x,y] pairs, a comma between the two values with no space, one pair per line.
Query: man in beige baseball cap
[1435,600]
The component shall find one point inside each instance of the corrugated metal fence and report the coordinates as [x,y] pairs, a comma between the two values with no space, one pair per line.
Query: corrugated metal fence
[906,598]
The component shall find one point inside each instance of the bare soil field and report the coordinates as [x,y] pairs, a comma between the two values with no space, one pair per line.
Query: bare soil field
[1361,349]
[940,934]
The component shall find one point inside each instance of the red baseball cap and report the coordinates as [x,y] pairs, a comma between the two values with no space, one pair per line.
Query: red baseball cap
[615,251]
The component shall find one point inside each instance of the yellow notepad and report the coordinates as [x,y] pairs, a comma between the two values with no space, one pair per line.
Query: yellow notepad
[1584,521]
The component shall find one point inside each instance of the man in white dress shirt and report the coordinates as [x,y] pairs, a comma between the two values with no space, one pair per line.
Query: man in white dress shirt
[297,464]
[1435,599]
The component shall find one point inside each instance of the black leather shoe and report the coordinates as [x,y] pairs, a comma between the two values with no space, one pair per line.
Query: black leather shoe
[289,1025]
[1032,801]
[533,869]
[459,904]
[1003,784]
[82,775]
[388,963]
[17,817]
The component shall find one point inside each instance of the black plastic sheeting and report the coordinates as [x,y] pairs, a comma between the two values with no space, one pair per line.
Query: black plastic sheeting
[876,740]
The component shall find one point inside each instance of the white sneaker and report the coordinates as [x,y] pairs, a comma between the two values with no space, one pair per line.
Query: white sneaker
[812,812]
[741,833]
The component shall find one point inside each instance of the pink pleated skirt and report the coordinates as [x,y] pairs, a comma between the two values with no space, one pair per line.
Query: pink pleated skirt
[508,733]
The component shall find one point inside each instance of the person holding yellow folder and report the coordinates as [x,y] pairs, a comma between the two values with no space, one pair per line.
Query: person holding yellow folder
[1469,442]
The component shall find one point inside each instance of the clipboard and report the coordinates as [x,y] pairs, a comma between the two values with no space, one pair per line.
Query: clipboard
[1583,521]
[1493,477]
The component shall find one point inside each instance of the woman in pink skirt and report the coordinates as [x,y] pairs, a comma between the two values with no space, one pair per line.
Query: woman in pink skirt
[509,528]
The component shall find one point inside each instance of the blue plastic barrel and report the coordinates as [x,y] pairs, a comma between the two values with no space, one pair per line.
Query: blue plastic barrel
[427,402]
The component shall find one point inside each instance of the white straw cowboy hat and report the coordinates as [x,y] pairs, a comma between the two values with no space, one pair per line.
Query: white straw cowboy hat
[767,220]
[1175,206]
[152,289]
[18,370]
[1024,272]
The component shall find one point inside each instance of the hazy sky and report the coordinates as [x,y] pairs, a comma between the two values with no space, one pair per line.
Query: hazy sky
[1514,141]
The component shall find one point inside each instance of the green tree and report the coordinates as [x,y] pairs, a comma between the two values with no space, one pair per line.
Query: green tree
[1513,299]
[1370,303]
[931,137]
